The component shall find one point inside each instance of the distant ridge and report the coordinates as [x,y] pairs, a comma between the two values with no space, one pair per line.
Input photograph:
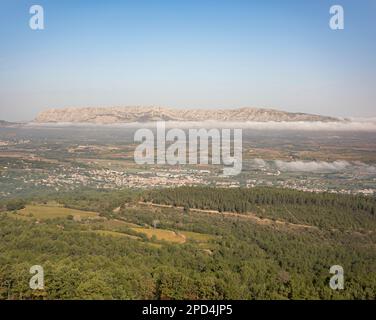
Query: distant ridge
[112,115]
[7,124]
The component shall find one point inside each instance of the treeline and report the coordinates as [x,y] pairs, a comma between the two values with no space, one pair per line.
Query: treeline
[324,210]
[101,201]
[243,200]
[12,205]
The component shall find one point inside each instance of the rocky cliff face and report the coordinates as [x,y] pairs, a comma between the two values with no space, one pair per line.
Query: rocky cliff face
[114,115]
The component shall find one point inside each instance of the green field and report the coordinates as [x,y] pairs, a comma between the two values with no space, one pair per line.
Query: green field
[199,237]
[51,212]
[161,235]
[174,236]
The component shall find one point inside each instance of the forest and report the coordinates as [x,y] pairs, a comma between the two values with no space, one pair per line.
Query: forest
[319,209]
[128,251]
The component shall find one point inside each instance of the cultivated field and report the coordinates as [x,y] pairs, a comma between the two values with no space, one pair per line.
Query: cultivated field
[51,212]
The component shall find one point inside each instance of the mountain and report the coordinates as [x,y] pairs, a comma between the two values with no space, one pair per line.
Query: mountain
[7,124]
[113,115]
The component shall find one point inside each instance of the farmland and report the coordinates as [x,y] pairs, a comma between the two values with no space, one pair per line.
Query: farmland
[52,212]
[35,161]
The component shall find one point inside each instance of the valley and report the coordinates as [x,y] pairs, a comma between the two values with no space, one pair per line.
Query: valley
[56,159]
[104,227]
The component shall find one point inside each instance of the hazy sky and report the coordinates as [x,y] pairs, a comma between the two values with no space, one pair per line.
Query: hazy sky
[196,53]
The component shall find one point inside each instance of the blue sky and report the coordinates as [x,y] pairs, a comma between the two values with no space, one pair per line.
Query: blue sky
[198,53]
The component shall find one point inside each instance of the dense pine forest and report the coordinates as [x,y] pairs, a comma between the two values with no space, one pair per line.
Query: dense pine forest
[320,209]
[278,244]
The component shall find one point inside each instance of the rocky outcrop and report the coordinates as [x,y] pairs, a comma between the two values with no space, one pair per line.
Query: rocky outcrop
[113,115]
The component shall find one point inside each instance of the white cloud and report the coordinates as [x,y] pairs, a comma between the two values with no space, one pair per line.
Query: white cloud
[311,166]
[259,162]
[358,125]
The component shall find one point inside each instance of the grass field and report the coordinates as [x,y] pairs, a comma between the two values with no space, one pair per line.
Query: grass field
[107,233]
[115,224]
[51,212]
[199,237]
[160,234]
[174,237]
[113,227]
